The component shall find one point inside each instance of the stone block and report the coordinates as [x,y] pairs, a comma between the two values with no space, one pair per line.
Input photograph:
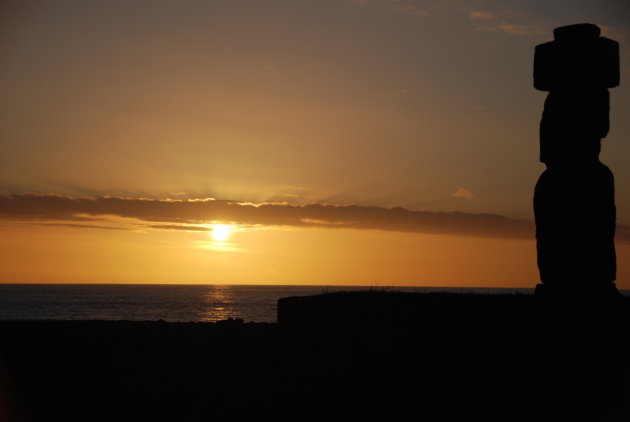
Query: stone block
[572,125]
[576,32]
[576,59]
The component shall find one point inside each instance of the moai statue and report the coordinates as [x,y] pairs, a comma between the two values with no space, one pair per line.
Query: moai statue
[574,203]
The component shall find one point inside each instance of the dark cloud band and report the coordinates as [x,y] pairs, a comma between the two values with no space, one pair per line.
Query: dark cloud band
[172,214]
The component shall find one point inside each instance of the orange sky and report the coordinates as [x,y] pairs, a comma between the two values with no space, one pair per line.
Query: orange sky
[372,142]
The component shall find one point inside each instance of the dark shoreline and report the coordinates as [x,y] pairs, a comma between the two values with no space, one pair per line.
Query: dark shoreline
[433,357]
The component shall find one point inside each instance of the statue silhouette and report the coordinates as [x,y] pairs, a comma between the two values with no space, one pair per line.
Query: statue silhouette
[574,204]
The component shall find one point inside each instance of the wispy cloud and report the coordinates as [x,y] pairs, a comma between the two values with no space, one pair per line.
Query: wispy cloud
[193,214]
[406,7]
[480,15]
[183,227]
[463,193]
[505,21]
[410,9]
[509,28]
[83,226]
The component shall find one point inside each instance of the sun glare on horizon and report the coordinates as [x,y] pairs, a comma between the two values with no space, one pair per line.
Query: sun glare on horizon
[221,232]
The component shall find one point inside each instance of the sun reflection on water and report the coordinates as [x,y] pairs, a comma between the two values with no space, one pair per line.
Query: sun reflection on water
[220,304]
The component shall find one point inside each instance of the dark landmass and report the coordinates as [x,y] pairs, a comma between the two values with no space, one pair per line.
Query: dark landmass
[376,355]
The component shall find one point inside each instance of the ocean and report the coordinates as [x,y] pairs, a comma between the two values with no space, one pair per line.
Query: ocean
[181,303]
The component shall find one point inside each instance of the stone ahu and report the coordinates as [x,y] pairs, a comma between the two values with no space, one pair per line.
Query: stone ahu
[574,204]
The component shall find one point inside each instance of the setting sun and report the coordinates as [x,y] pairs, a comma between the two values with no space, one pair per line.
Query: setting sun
[221,232]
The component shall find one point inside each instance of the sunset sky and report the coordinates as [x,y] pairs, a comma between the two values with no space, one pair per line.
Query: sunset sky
[349,142]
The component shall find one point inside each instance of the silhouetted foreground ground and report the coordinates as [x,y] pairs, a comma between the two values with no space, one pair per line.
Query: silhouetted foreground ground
[389,356]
